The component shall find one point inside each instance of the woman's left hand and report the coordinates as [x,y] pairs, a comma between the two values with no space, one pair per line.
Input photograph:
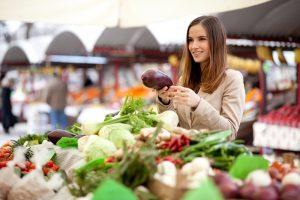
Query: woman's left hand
[184,96]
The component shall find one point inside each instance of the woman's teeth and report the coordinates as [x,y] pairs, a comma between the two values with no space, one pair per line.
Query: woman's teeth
[198,53]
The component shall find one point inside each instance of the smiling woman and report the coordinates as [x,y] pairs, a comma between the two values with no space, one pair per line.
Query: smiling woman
[209,96]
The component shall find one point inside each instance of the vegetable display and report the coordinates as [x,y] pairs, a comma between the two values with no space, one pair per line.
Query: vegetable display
[140,154]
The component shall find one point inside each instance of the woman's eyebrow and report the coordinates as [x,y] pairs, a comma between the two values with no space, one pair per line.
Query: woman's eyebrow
[203,36]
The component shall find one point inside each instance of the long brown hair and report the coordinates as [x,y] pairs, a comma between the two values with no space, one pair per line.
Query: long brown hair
[210,75]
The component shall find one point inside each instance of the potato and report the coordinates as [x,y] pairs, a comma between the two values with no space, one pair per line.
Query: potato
[156,79]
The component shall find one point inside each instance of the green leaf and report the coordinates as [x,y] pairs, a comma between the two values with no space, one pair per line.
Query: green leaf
[30,139]
[131,105]
[244,164]
[90,166]
[207,190]
[66,142]
[75,128]
[112,190]
[218,136]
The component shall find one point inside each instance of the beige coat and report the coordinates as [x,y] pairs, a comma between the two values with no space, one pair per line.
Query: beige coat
[221,110]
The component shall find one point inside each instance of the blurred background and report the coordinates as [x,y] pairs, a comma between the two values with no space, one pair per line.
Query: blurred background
[99,49]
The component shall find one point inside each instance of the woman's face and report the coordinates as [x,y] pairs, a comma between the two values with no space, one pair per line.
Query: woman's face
[198,43]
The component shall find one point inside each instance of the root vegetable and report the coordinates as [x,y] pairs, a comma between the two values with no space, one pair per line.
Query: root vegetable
[291,178]
[164,135]
[266,193]
[290,192]
[229,189]
[248,190]
[259,178]
[221,177]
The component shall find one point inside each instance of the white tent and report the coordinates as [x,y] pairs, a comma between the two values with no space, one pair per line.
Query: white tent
[74,40]
[125,13]
[25,52]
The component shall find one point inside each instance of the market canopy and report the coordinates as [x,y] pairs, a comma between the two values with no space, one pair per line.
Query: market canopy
[128,39]
[74,41]
[277,19]
[15,55]
[66,43]
[123,13]
[26,52]
[3,49]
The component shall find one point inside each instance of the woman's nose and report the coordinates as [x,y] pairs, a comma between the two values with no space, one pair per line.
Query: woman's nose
[195,45]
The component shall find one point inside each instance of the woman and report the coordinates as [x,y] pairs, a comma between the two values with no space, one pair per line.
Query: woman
[209,96]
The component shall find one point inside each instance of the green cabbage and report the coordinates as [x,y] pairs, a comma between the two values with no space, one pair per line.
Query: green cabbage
[106,130]
[90,128]
[121,136]
[98,147]
[169,118]
[118,134]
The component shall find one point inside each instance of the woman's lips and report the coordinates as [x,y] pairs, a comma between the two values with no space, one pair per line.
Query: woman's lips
[198,53]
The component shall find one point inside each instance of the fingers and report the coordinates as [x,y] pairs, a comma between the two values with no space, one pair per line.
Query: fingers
[180,100]
[177,94]
[164,89]
[178,91]
[163,93]
[178,88]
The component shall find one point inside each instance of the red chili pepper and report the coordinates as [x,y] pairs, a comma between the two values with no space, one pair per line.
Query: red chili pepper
[171,143]
[32,166]
[179,148]
[171,159]
[176,143]
[157,159]
[46,171]
[185,141]
[165,145]
[50,164]
[3,164]
[55,167]
[27,164]
[111,159]
[174,148]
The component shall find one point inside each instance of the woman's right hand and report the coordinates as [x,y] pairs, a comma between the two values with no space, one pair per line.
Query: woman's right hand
[163,94]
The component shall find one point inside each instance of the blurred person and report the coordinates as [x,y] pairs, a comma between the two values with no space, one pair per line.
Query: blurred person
[87,81]
[56,98]
[8,119]
[209,95]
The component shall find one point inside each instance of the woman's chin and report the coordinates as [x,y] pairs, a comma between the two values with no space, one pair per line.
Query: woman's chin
[199,60]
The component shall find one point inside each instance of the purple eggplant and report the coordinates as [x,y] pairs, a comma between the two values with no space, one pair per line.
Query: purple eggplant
[156,79]
[57,134]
